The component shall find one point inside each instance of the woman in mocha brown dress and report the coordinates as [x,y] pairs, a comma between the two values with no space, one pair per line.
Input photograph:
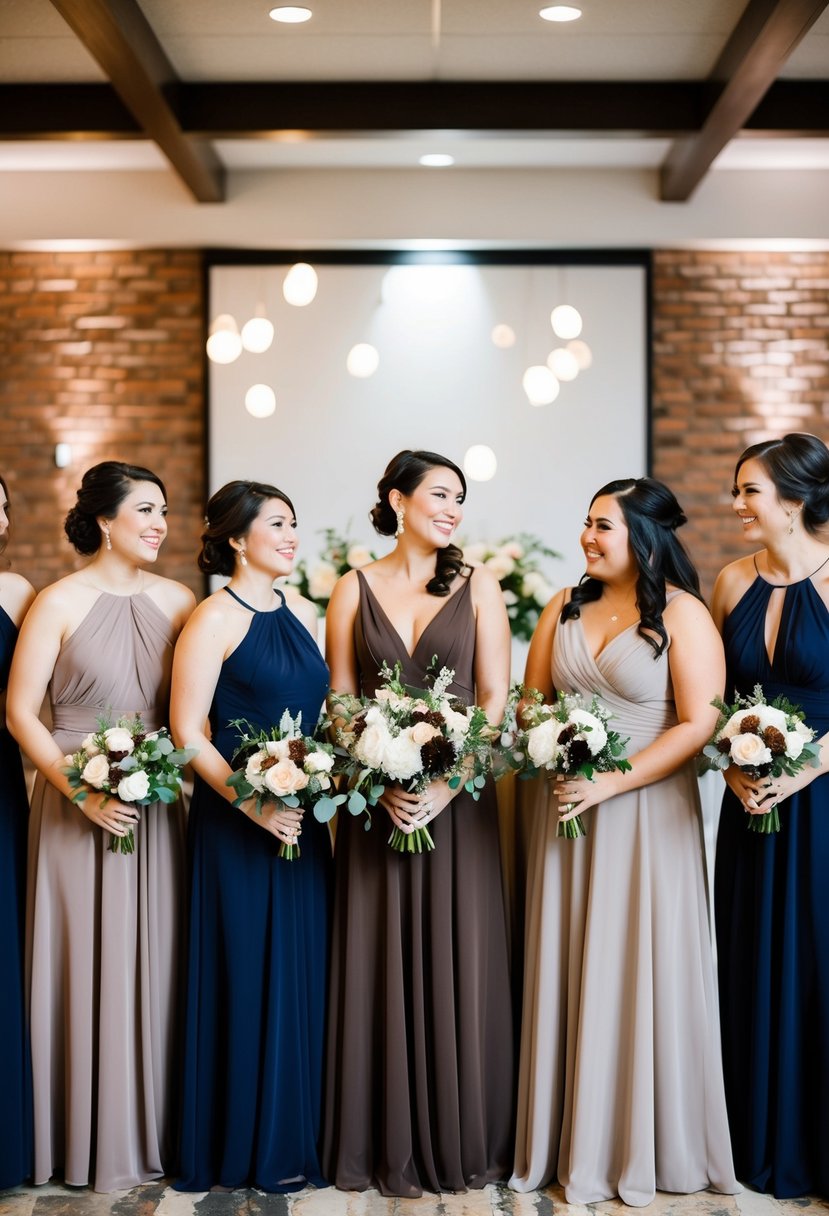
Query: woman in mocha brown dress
[103,929]
[420,1062]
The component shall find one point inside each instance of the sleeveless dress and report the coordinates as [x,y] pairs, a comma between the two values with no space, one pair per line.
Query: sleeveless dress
[103,929]
[15,1090]
[620,1087]
[420,1043]
[258,955]
[773,921]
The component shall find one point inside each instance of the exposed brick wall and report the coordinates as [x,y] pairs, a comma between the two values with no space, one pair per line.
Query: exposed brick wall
[741,354]
[102,351]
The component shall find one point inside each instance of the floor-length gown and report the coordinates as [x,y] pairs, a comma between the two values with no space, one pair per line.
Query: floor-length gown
[773,921]
[620,1085]
[103,929]
[258,955]
[15,1089]
[420,1049]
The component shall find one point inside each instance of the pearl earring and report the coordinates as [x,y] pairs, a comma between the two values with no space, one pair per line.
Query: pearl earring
[243,561]
[401,515]
[106,534]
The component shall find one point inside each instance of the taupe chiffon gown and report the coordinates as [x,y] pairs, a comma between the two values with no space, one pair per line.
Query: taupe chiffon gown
[419,1091]
[103,929]
[620,1081]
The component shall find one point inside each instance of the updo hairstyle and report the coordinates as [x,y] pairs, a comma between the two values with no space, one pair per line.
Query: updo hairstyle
[405,472]
[798,464]
[652,515]
[103,488]
[230,513]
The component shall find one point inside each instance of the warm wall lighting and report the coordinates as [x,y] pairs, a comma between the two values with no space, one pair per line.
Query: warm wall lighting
[257,334]
[290,14]
[566,321]
[563,363]
[503,336]
[63,455]
[582,352]
[363,360]
[437,160]
[224,344]
[260,400]
[480,462]
[540,385]
[300,285]
[560,12]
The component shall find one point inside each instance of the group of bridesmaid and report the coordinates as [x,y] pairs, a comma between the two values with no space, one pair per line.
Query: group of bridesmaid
[207,1011]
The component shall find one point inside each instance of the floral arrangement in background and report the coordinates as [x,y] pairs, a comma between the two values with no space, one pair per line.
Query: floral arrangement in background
[516,563]
[341,553]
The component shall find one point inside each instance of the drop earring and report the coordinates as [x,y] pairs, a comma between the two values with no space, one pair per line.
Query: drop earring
[401,515]
[792,516]
[243,561]
[108,541]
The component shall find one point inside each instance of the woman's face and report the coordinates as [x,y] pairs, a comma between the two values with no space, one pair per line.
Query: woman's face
[762,513]
[271,540]
[605,541]
[139,527]
[435,508]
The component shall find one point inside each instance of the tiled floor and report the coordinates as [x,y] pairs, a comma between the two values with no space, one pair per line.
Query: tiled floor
[155,1199]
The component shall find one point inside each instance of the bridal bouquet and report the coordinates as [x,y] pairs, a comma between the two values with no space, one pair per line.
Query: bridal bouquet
[130,763]
[283,765]
[568,738]
[410,737]
[764,739]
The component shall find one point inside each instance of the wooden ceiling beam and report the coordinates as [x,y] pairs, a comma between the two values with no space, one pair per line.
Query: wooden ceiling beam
[762,41]
[118,36]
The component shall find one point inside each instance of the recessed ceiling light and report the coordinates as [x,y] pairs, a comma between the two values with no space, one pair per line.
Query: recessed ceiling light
[437,160]
[290,14]
[560,12]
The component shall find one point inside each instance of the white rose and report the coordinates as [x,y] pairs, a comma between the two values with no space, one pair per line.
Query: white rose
[321,581]
[804,730]
[422,732]
[90,746]
[456,723]
[402,759]
[749,751]
[513,549]
[358,556]
[595,736]
[319,762]
[374,714]
[541,742]
[70,760]
[285,777]
[371,746]
[531,582]
[391,698]
[474,554]
[253,771]
[118,739]
[134,786]
[769,716]
[794,744]
[510,598]
[543,594]
[278,748]
[732,726]
[96,771]
[500,565]
[323,781]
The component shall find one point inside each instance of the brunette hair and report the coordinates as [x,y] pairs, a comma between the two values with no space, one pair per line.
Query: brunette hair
[652,515]
[798,464]
[404,472]
[229,515]
[4,539]
[103,488]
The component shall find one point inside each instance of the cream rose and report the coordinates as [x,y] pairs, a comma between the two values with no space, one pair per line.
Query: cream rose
[541,742]
[593,731]
[474,554]
[96,771]
[278,748]
[358,556]
[531,582]
[402,760]
[500,565]
[510,598]
[456,723]
[285,777]
[118,739]
[134,786]
[543,594]
[390,697]
[253,771]
[769,716]
[749,751]
[319,762]
[321,581]
[90,746]
[513,549]
[794,744]
[732,726]
[371,747]
[422,732]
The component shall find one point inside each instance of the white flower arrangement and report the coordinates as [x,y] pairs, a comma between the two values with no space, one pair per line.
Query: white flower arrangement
[515,562]
[316,580]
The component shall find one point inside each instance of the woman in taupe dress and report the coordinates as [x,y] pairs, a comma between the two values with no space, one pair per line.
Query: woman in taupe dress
[419,1066]
[102,928]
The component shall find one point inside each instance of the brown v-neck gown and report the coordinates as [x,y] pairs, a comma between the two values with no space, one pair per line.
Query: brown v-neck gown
[419,1092]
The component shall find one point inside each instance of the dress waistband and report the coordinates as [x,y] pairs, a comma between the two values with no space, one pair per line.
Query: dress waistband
[84,718]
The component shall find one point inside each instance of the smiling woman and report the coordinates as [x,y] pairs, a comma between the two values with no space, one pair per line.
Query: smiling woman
[104,928]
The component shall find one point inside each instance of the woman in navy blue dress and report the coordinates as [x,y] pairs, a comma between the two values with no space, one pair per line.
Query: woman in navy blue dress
[15,1093]
[256,977]
[770,890]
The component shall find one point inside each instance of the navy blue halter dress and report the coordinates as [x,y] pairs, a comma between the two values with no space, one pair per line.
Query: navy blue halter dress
[15,1089]
[772,918]
[258,955]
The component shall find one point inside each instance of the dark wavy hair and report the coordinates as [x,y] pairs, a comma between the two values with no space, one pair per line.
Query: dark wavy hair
[4,540]
[652,515]
[798,464]
[404,472]
[103,488]
[229,515]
